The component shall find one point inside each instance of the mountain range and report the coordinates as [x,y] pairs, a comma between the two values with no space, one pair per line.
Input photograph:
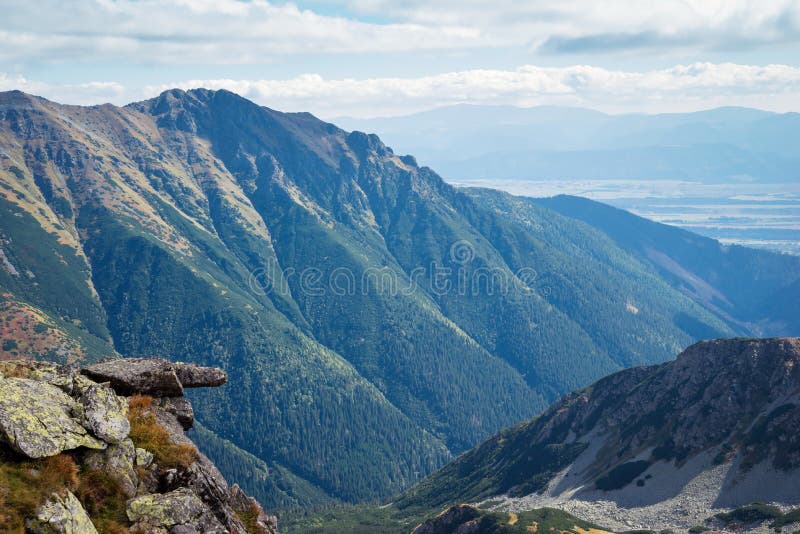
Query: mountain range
[374,321]
[724,145]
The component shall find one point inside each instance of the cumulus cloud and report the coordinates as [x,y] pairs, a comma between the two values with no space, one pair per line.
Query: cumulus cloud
[83,93]
[201,31]
[254,31]
[682,87]
[570,26]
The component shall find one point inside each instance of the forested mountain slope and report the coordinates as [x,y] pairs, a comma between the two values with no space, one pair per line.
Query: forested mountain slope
[375,320]
[756,289]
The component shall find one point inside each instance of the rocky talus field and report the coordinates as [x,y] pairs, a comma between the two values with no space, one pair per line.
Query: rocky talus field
[103,449]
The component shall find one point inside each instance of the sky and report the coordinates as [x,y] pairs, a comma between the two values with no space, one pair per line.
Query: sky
[368,58]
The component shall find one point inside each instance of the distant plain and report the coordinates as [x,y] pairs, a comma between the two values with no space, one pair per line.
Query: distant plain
[759,215]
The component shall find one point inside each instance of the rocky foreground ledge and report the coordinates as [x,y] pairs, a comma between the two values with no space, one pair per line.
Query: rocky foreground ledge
[103,449]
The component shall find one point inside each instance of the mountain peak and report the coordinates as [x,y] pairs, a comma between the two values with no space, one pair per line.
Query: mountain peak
[725,402]
[17,98]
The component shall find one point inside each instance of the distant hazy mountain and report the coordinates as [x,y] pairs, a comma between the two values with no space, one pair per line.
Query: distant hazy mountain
[553,143]
[375,320]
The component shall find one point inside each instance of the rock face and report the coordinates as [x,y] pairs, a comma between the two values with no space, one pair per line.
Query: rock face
[171,488]
[181,408]
[176,511]
[38,419]
[61,515]
[105,413]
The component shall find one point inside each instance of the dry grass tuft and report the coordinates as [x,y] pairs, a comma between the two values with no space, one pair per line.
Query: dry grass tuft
[148,434]
[104,501]
[249,519]
[25,486]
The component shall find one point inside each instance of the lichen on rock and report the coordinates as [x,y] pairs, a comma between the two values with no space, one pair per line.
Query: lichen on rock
[37,419]
[119,461]
[61,515]
[169,511]
[119,448]
[105,413]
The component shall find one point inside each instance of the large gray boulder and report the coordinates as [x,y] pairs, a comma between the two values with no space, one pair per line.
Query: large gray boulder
[61,515]
[148,376]
[175,512]
[196,376]
[105,413]
[38,419]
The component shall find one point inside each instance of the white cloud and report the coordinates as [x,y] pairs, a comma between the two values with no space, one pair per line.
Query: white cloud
[588,25]
[683,87]
[84,93]
[183,31]
[241,32]
[679,88]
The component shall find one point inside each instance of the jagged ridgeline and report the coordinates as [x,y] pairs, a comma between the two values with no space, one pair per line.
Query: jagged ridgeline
[374,320]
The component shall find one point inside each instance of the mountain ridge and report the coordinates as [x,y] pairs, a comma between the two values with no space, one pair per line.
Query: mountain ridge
[187,223]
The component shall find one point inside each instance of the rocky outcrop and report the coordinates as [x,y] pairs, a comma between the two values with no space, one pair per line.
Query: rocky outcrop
[38,419]
[46,409]
[154,376]
[61,515]
[659,447]
[459,519]
[196,376]
[146,376]
[177,511]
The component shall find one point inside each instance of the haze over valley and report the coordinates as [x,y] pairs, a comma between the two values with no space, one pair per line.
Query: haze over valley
[731,174]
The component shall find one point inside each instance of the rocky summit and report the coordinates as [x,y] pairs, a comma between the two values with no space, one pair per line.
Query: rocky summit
[692,441]
[103,449]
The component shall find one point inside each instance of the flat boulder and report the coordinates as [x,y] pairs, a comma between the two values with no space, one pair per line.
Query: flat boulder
[38,419]
[127,376]
[197,376]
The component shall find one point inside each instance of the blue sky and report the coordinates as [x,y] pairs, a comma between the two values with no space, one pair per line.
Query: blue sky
[382,57]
